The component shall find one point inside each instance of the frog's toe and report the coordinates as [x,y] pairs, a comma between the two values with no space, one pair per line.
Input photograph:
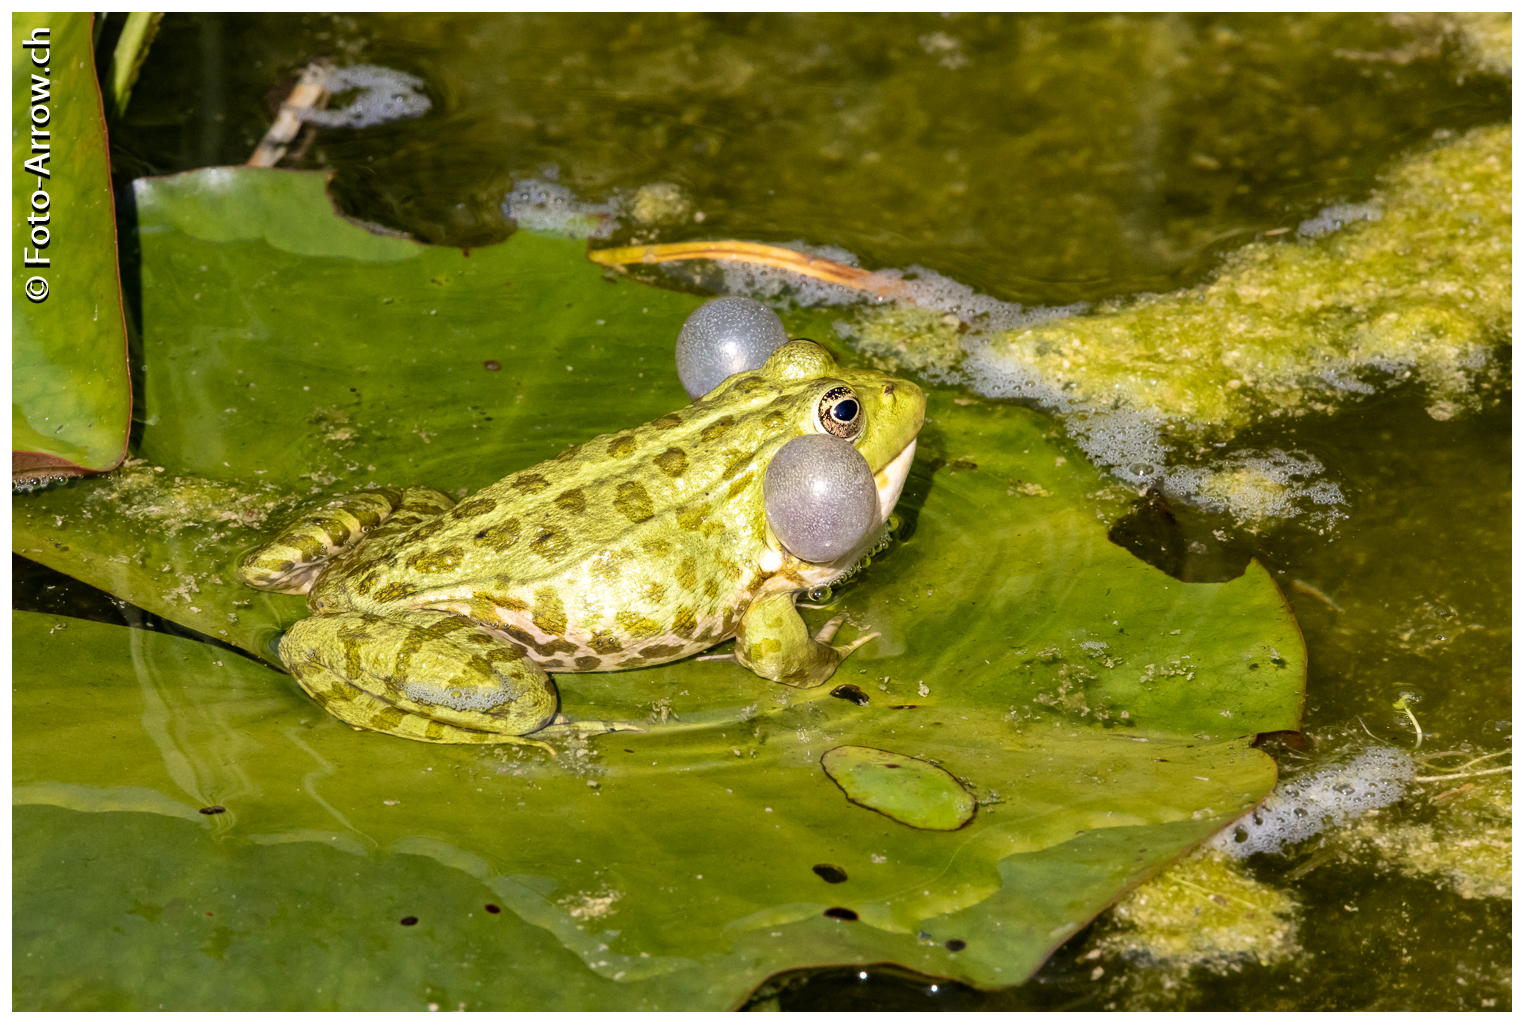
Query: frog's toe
[827,632]
[587,727]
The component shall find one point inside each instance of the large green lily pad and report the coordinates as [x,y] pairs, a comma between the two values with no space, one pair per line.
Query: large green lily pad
[1099,710]
[70,397]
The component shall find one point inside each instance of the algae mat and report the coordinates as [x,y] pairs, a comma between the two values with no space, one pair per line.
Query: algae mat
[1098,711]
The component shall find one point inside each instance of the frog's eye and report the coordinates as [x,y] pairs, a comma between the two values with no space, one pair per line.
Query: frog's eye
[840,414]
[723,337]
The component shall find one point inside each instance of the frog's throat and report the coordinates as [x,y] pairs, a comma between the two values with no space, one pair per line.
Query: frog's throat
[891,479]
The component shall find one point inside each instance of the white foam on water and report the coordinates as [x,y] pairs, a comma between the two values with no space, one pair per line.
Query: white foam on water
[1332,218]
[1309,804]
[1254,486]
[539,204]
[386,94]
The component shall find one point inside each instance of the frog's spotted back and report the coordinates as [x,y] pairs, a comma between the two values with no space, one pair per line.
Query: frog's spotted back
[632,549]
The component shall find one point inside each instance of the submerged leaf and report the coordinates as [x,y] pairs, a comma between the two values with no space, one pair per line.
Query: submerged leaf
[906,789]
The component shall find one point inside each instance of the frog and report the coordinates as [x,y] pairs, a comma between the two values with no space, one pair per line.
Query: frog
[442,621]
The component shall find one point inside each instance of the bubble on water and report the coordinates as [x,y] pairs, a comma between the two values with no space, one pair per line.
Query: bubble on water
[723,337]
[1309,804]
[820,497]
[385,94]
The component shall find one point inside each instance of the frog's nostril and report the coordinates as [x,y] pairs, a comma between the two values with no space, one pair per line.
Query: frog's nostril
[889,389]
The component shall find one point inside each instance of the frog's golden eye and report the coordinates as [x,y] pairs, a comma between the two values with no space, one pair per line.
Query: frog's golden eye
[839,413]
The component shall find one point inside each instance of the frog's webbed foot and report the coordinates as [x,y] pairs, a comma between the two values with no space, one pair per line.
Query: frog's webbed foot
[829,630]
[773,641]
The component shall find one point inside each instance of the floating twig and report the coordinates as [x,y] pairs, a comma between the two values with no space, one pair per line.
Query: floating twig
[310,93]
[1464,775]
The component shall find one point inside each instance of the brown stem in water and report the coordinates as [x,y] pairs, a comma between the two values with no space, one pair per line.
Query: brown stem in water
[878,285]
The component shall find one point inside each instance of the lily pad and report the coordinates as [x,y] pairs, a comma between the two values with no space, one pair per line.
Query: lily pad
[906,789]
[1100,711]
[70,397]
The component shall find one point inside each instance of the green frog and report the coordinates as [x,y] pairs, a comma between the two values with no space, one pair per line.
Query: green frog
[438,620]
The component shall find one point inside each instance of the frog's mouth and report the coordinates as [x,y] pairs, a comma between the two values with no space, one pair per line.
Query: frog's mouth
[891,479]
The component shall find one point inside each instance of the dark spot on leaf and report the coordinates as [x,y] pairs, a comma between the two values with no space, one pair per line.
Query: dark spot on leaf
[493,909]
[963,464]
[491,364]
[844,914]
[410,920]
[900,707]
[955,944]
[630,750]
[892,765]
[1254,665]
[213,809]
[832,874]
[849,692]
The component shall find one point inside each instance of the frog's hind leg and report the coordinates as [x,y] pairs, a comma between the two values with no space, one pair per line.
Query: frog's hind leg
[305,547]
[423,675]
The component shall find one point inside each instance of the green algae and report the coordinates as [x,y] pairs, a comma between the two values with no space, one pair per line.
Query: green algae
[1206,911]
[1289,326]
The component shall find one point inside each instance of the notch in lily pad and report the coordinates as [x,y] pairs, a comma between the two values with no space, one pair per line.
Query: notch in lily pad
[908,790]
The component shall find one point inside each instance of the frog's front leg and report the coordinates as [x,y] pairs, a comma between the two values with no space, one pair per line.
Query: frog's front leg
[773,641]
[421,674]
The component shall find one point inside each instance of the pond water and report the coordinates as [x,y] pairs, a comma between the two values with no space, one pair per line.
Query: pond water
[1042,161]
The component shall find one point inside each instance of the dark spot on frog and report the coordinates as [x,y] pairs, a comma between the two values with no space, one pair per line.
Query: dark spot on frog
[492,909]
[475,507]
[621,445]
[491,364]
[550,545]
[844,914]
[550,615]
[213,809]
[588,663]
[717,428]
[831,873]
[501,536]
[632,499]
[853,693]
[955,945]
[605,643]
[529,483]
[571,500]
[668,422]
[410,920]
[673,462]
